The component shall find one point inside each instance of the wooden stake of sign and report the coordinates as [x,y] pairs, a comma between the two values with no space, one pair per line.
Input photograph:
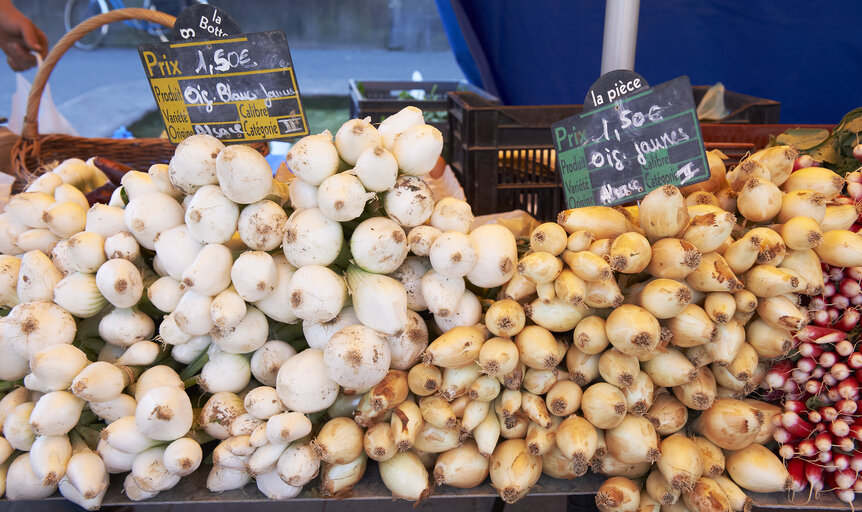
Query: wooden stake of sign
[238,89]
[623,148]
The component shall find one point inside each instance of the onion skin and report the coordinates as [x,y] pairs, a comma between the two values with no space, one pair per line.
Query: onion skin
[757,469]
[730,424]
[514,470]
[618,494]
[680,463]
[707,496]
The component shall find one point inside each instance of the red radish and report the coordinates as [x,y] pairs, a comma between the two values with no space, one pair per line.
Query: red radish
[849,319]
[840,371]
[844,478]
[849,387]
[844,348]
[828,359]
[813,386]
[841,461]
[825,458]
[846,444]
[854,273]
[832,392]
[820,335]
[846,495]
[817,303]
[839,303]
[796,406]
[829,289]
[856,432]
[818,373]
[857,152]
[807,349]
[776,377]
[857,300]
[823,441]
[814,475]
[790,387]
[846,406]
[806,364]
[813,417]
[829,413]
[856,462]
[839,428]
[820,427]
[836,274]
[782,436]
[796,468]
[856,227]
[806,448]
[829,380]
[855,360]
[849,287]
[799,376]
[820,318]
[857,485]
[803,161]
[786,452]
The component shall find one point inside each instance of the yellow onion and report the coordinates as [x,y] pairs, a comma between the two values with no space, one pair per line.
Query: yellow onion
[630,253]
[603,405]
[424,379]
[456,347]
[541,440]
[757,469]
[669,368]
[609,466]
[700,197]
[474,413]
[664,298]
[720,306]
[433,439]
[841,249]
[728,341]
[462,467]
[587,265]
[741,255]
[498,356]
[802,203]
[513,379]
[779,160]
[639,395]
[663,213]
[437,412]
[680,462]
[730,424]
[667,414]
[337,480]
[518,287]
[579,240]
[759,200]
[711,457]
[548,237]
[577,439]
[484,388]
[840,217]
[600,221]
[618,369]
[618,494]
[486,434]
[540,267]
[746,170]
[743,366]
[691,327]
[456,381]
[673,258]
[699,393]
[739,502]
[406,477]
[707,496]
[583,368]
[660,489]
[568,287]
[535,408]
[603,294]
[770,281]
[505,318]
[633,330]
[601,247]
[339,441]
[769,412]
[633,441]
[648,504]
[817,179]
[713,275]
[378,442]
[709,227]
[539,381]
[564,398]
[557,465]
[806,264]
[388,393]
[717,172]
[508,406]
[801,233]
[514,470]
[556,315]
[725,379]
[537,347]
[746,301]
[726,199]
[589,335]
[768,341]
[406,424]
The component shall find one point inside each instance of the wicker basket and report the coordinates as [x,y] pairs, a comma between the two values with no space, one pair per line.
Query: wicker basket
[33,150]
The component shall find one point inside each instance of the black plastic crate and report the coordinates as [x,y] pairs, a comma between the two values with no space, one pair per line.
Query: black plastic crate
[504,156]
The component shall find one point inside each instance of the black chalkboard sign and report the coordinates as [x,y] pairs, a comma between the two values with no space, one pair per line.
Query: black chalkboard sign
[238,89]
[203,21]
[620,151]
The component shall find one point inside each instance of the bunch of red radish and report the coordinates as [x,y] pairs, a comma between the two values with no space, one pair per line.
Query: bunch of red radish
[818,431]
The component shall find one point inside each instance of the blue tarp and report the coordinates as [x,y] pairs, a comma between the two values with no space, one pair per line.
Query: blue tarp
[806,54]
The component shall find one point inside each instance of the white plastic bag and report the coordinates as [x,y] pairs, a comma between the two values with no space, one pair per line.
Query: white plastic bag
[50,119]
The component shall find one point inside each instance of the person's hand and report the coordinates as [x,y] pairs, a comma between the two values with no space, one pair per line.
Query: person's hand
[18,37]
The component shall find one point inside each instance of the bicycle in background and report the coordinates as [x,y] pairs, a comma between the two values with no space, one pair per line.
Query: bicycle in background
[77,11]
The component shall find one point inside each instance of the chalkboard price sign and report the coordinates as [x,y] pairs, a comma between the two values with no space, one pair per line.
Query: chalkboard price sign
[238,89]
[620,151]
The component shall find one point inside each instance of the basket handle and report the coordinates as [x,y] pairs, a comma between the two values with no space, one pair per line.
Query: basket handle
[30,127]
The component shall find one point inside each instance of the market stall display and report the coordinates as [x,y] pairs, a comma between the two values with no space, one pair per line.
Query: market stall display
[348,316]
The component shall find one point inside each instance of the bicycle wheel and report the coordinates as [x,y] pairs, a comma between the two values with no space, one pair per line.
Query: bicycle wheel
[77,11]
